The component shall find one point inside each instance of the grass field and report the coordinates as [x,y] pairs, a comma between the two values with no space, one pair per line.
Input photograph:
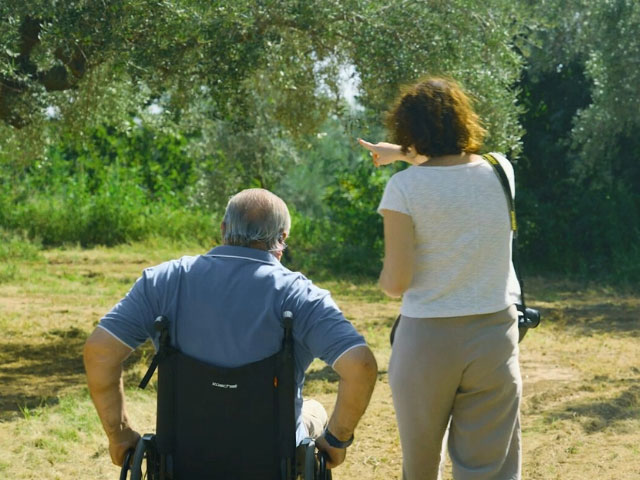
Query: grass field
[581,371]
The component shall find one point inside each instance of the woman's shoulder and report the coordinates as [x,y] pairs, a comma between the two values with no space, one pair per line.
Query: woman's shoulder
[402,176]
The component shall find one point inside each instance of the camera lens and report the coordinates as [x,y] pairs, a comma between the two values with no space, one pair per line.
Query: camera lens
[532,317]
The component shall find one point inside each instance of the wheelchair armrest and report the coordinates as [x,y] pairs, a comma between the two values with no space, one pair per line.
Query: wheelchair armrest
[306,458]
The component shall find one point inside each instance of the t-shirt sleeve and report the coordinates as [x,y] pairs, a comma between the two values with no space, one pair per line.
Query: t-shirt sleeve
[319,325]
[131,319]
[393,197]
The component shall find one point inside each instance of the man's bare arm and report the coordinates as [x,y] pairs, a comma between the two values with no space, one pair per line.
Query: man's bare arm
[358,371]
[103,357]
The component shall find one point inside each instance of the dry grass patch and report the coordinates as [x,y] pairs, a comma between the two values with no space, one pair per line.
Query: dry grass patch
[580,412]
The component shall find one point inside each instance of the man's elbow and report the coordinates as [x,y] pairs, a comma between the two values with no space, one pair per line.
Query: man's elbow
[359,364]
[94,351]
[89,352]
[370,367]
[367,363]
[102,351]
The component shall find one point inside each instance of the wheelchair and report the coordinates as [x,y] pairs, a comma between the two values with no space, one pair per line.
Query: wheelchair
[217,423]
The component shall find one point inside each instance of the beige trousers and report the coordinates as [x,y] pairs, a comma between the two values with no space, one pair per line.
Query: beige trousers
[464,369]
[314,417]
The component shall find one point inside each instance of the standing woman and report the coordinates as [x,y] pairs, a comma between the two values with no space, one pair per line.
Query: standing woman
[448,254]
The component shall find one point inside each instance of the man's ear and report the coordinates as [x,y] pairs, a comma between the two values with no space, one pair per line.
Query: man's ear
[283,236]
[223,229]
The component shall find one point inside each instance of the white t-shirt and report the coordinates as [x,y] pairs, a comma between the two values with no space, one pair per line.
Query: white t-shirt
[462,238]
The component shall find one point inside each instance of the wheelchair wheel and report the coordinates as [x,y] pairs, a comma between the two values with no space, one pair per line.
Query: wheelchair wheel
[134,459]
[126,464]
[323,472]
[315,463]
[136,462]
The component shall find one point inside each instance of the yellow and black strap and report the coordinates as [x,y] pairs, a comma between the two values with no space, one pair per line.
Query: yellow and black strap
[502,176]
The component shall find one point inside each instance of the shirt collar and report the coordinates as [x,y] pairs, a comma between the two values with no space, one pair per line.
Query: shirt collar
[244,252]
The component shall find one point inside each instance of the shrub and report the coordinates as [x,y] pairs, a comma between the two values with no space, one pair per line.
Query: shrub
[348,237]
[79,209]
[16,246]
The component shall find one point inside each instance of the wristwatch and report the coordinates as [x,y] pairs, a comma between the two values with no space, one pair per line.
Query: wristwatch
[334,442]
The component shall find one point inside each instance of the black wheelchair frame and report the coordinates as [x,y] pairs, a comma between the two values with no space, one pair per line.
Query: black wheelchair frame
[210,426]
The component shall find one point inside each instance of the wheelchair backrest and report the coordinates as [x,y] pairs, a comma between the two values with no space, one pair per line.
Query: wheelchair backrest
[226,423]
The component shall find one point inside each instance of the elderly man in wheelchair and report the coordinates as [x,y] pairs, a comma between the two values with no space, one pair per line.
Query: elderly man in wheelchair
[234,332]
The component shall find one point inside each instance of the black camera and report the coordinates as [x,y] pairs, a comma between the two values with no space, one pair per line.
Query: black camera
[528,317]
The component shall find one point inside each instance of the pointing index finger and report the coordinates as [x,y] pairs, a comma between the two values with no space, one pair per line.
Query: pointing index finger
[365,144]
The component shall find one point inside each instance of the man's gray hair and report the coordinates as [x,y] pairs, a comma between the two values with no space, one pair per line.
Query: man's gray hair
[256,217]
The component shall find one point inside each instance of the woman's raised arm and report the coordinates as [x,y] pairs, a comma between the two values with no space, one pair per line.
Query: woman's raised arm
[384,153]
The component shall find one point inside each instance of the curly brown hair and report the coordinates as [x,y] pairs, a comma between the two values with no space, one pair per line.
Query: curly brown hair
[436,118]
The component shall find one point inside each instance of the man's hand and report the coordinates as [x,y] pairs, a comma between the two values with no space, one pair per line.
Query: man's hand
[120,443]
[335,456]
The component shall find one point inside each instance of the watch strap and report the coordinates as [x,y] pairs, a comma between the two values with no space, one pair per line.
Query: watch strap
[334,442]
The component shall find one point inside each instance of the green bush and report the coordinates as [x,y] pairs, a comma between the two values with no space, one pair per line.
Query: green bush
[111,190]
[115,214]
[348,237]
[15,246]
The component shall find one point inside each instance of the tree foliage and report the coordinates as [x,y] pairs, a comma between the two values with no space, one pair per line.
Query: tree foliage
[600,37]
[181,103]
[98,62]
[580,174]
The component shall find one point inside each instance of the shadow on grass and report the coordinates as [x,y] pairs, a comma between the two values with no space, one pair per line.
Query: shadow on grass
[601,415]
[596,319]
[326,374]
[33,374]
